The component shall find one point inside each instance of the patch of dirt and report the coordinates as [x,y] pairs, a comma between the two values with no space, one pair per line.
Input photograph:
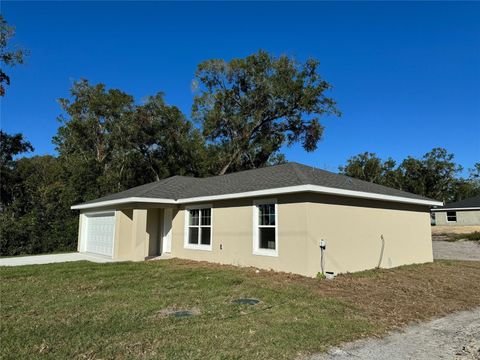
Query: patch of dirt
[446,233]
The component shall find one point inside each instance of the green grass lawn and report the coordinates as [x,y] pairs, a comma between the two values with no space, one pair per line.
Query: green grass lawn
[118,311]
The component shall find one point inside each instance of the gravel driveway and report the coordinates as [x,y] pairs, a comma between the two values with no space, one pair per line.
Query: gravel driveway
[456,250]
[456,336]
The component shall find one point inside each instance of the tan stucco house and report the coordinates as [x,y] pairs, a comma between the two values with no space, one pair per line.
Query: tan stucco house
[461,213]
[270,218]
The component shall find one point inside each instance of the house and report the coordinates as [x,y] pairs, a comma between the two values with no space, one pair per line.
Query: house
[461,213]
[270,218]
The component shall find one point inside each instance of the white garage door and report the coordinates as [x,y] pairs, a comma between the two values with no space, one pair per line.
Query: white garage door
[100,232]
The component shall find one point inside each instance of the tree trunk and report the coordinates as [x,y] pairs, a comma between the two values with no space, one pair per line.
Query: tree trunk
[227,166]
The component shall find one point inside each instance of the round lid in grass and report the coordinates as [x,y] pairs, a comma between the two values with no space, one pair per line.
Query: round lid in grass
[245,301]
[182,313]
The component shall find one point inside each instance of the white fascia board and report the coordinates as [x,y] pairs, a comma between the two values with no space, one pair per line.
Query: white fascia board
[315,189]
[122,202]
[267,192]
[455,209]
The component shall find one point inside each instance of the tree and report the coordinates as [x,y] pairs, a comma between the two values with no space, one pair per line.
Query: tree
[369,167]
[38,219]
[108,143]
[10,146]
[469,187]
[248,108]
[475,172]
[8,56]
[433,176]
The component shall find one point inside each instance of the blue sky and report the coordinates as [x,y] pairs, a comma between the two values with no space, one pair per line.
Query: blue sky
[406,75]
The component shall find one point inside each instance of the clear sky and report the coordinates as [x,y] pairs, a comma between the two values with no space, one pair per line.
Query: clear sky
[406,75]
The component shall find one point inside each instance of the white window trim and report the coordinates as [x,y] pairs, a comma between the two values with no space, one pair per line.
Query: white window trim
[198,246]
[256,249]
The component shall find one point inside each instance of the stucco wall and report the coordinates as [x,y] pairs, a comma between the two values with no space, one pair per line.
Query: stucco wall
[467,218]
[232,241]
[353,230]
[351,227]
[122,246]
[136,232]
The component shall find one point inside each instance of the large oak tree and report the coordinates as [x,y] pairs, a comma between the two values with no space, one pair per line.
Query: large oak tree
[248,108]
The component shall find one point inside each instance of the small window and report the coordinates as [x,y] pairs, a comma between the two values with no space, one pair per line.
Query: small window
[451,216]
[199,228]
[265,228]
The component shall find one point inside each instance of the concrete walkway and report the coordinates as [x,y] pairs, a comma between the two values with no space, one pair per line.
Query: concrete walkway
[456,250]
[52,258]
[456,336]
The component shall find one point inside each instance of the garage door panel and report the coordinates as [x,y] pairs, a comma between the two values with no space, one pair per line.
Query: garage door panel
[100,233]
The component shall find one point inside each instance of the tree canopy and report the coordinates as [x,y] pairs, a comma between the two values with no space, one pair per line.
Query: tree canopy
[368,166]
[248,108]
[109,143]
[10,146]
[9,56]
[434,175]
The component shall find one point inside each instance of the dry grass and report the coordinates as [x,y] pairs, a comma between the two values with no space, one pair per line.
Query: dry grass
[395,297]
[412,293]
[453,233]
[445,229]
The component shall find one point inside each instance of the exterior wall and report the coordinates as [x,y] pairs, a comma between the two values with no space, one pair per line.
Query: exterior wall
[352,229]
[232,240]
[81,221]
[356,230]
[122,247]
[136,232]
[464,218]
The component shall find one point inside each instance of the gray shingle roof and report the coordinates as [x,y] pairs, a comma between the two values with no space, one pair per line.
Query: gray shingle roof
[473,202]
[272,177]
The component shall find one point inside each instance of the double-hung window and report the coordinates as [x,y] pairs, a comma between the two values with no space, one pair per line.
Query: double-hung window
[198,229]
[265,232]
[451,216]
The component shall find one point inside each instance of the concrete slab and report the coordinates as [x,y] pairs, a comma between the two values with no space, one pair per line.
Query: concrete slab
[52,258]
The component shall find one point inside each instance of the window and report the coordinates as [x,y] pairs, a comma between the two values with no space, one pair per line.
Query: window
[265,228]
[451,216]
[198,232]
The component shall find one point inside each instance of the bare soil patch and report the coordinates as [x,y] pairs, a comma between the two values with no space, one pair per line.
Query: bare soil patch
[452,233]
